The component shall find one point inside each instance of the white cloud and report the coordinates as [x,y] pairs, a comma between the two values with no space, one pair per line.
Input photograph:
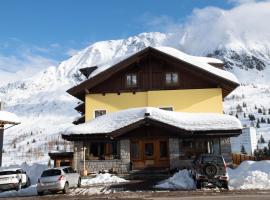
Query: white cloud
[13,68]
[244,26]
[72,52]
[238,2]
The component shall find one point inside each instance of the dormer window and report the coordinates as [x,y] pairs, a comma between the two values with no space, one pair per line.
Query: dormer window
[131,80]
[171,78]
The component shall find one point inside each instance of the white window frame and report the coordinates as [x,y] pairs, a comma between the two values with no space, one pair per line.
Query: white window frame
[94,113]
[171,78]
[132,75]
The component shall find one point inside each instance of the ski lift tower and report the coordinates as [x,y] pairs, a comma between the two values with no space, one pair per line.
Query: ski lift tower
[7,120]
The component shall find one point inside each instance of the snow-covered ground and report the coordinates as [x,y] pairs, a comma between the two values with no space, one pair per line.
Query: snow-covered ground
[91,186]
[248,175]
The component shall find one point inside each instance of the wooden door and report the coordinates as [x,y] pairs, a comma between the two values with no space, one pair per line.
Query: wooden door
[149,153]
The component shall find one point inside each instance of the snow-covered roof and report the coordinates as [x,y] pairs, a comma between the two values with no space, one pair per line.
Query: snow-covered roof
[201,62]
[8,118]
[186,121]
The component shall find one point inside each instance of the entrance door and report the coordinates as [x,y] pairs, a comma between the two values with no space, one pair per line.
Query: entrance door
[149,153]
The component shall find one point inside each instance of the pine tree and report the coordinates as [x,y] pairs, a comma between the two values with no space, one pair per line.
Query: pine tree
[236,116]
[245,115]
[255,107]
[261,140]
[259,110]
[258,125]
[268,121]
[244,105]
[243,150]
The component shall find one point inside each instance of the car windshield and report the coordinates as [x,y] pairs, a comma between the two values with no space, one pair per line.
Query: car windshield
[51,172]
[7,173]
[213,159]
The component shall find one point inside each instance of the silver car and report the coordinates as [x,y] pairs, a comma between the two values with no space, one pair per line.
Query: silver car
[58,179]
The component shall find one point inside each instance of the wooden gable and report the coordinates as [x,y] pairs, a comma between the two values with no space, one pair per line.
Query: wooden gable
[151,65]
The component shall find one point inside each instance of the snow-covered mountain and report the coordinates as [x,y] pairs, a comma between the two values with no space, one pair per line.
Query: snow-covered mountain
[46,109]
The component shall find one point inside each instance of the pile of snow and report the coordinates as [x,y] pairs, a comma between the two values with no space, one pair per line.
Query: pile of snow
[30,191]
[250,175]
[187,121]
[33,171]
[181,180]
[9,118]
[102,179]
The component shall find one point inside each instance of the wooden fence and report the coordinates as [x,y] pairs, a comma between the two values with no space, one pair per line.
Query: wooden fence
[238,158]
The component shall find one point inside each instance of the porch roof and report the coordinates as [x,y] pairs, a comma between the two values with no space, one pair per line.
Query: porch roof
[8,118]
[119,122]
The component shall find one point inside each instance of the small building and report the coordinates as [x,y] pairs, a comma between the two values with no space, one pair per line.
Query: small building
[61,158]
[248,139]
[6,118]
[155,109]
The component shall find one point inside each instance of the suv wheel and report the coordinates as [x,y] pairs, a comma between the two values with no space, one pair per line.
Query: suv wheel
[66,188]
[40,193]
[210,170]
[79,182]
[199,184]
[225,185]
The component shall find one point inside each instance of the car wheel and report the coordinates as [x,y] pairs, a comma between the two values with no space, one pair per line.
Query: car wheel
[40,193]
[28,183]
[19,186]
[79,182]
[66,188]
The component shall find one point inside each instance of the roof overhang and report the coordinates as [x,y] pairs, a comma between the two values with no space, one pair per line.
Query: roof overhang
[151,122]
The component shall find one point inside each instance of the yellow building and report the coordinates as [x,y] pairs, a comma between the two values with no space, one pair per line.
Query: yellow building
[158,108]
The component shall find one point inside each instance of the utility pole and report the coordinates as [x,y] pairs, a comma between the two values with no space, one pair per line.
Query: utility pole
[1,142]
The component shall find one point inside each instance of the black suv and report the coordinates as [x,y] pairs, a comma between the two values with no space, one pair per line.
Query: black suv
[210,169]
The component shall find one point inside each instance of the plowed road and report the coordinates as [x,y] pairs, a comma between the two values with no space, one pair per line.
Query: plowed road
[172,195]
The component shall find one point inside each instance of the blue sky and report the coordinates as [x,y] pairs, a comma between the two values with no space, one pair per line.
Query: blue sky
[54,27]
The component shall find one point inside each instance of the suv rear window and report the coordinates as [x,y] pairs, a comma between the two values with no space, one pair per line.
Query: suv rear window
[7,173]
[51,172]
[213,159]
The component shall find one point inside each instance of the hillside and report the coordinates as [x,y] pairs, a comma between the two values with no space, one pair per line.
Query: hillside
[46,109]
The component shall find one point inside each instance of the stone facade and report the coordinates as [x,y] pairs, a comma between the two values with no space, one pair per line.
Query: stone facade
[121,165]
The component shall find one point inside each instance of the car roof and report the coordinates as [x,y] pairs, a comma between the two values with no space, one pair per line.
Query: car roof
[59,168]
[11,169]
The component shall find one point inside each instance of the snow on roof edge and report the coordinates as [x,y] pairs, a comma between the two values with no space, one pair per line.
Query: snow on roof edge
[9,118]
[198,61]
[187,121]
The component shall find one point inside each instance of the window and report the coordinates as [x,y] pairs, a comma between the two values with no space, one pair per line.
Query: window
[132,80]
[99,113]
[166,108]
[102,150]
[149,149]
[163,149]
[171,78]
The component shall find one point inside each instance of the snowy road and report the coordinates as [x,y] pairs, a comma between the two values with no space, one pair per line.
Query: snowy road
[172,195]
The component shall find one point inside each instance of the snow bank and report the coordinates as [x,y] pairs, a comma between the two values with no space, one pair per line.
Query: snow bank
[250,175]
[102,179]
[181,180]
[33,171]
[9,118]
[187,121]
[30,191]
